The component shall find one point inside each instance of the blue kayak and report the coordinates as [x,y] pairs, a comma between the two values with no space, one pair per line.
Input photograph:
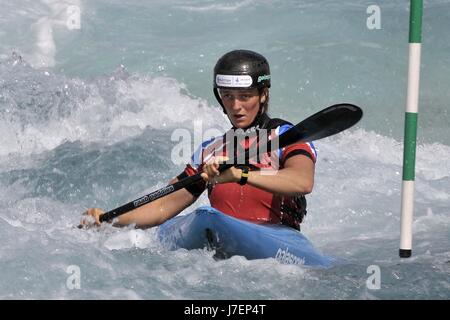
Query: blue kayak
[209,228]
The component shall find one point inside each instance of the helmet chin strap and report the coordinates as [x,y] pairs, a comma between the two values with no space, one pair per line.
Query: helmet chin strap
[219,99]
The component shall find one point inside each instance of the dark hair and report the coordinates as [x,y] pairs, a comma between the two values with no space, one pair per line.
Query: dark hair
[264,107]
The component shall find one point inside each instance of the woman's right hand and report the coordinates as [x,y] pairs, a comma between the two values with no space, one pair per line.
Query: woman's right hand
[92,217]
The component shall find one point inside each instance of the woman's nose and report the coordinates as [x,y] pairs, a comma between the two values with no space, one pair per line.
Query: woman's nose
[236,103]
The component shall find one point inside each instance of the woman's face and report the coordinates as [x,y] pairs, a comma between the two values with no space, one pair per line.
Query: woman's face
[241,106]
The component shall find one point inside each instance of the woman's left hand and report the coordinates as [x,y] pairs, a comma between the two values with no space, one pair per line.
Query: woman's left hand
[211,172]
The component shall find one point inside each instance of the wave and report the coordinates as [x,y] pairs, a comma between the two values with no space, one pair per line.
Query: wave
[40,109]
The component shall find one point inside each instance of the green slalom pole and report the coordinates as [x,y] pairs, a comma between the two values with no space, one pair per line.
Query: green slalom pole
[409,147]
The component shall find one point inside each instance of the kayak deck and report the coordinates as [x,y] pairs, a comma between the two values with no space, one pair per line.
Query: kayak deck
[209,228]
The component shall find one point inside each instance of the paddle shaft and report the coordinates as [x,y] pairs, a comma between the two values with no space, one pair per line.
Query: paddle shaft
[107,216]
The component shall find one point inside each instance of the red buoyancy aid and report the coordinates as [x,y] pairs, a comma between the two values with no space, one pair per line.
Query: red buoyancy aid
[246,201]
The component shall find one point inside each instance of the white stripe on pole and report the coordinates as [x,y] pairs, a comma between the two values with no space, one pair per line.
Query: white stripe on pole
[407,214]
[412,102]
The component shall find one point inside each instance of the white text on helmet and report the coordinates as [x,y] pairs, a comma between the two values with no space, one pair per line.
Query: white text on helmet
[231,81]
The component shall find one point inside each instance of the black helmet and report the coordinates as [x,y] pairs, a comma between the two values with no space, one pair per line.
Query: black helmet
[241,69]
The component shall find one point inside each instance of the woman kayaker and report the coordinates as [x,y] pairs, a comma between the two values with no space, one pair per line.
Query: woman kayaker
[265,191]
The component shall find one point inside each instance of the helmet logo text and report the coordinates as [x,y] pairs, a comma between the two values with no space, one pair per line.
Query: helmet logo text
[230,81]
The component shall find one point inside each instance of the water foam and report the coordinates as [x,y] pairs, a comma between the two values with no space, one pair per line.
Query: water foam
[40,109]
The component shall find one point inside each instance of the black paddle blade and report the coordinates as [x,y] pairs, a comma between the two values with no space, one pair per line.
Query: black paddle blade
[322,124]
